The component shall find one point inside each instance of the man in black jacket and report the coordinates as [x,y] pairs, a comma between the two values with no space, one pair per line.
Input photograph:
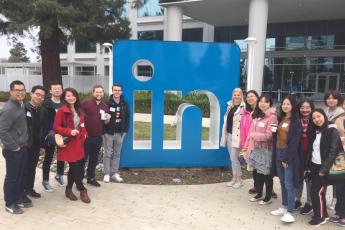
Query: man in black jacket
[115,132]
[36,118]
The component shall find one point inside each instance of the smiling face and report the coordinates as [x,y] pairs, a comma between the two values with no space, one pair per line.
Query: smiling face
[236,97]
[56,90]
[37,97]
[286,106]
[70,98]
[305,110]
[332,102]
[264,104]
[98,94]
[251,99]
[117,92]
[18,92]
[318,118]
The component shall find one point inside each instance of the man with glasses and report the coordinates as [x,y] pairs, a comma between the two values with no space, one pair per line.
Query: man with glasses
[36,117]
[14,137]
[115,132]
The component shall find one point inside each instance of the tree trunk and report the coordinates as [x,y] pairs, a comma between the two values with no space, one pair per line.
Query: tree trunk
[50,54]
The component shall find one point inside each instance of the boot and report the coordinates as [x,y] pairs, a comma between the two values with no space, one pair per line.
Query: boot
[70,195]
[84,197]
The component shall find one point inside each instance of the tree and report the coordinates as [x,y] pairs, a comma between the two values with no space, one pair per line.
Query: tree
[18,53]
[94,20]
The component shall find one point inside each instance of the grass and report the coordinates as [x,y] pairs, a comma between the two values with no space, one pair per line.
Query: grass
[143,130]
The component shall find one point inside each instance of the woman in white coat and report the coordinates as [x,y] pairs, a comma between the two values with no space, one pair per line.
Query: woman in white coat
[231,135]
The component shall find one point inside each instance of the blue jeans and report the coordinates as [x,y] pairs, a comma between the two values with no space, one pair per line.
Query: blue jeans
[286,180]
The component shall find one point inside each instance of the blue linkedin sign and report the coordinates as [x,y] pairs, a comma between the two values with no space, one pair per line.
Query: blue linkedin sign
[180,68]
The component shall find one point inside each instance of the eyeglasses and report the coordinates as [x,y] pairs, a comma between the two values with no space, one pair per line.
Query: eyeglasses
[19,90]
[39,95]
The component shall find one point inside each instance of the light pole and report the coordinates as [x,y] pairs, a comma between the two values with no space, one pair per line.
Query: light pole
[110,48]
[250,62]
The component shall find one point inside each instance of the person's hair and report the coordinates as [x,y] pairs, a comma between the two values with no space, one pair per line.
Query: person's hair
[97,87]
[248,107]
[16,82]
[294,109]
[325,124]
[304,100]
[117,85]
[77,105]
[257,111]
[38,87]
[55,83]
[237,90]
[336,96]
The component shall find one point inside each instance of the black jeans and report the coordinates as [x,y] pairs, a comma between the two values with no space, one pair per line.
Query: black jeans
[317,192]
[15,167]
[255,174]
[49,154]
[262,179]
[75,175]
[340,195]
[91,147]
[31,164]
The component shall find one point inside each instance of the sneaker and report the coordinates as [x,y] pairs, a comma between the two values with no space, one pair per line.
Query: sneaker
[238,184]
[255,198]
[59,179]
[331,206]
[317,222]
[307,209]
[93,182]
[279,212]
[298,205]
[231,183]
[334,219]
[288,218]
[117,177]
[252,191]
[274,195]
[47,186]
[341,223]
[14,209]
[106,178]
[263,202]
[33,194]
[24,202]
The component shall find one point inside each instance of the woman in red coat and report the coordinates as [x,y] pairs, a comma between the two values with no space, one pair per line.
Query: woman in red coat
[69,122]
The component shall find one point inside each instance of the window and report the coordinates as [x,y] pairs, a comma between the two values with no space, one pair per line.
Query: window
[84,46]
[85,70]
[151,35]
[64,70]
[192,35]
[150,9]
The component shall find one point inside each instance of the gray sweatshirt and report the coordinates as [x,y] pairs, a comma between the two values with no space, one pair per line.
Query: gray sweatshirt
[13,129]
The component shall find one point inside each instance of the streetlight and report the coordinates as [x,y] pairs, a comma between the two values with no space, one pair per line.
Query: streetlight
[109,46]
[250,62]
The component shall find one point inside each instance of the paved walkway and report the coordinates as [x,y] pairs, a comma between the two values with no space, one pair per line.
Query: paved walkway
[142,207]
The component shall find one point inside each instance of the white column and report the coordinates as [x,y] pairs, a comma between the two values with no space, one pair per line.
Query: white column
[133,19]
[258,13]
[173,23]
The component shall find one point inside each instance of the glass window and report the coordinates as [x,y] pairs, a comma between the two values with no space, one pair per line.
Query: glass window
[192,35]
[150,9]
[150,35]
[64,70]
[85,70]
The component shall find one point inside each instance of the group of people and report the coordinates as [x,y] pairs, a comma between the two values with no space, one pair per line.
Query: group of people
[30,129]
[298,143]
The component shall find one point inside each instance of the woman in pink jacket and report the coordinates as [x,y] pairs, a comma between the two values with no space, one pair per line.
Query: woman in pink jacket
[246,119]
[259,146]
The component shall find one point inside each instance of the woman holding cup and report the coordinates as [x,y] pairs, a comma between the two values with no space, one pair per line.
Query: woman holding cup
[231,135]
[286,154]
[259,147]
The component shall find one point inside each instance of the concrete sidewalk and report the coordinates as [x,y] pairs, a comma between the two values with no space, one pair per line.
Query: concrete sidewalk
[143,207]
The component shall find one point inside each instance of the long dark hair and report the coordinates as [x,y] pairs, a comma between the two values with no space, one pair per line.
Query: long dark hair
[257,111]
[77,105]
[294,109]
[325,125]
[248,107]
[301,102]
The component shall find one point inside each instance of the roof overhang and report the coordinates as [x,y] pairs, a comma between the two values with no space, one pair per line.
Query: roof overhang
[236,12]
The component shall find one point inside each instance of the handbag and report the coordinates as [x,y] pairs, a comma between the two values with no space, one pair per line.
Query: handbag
[56,139]
[337,170]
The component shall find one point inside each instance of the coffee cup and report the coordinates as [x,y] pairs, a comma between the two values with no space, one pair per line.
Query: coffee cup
[274,128]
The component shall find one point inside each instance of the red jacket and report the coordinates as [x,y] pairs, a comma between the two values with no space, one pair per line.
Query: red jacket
[63,125]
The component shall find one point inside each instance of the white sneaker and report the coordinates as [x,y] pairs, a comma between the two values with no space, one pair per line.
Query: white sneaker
[238,184]
[117,177]
[331,206]
[288,218]
[231,183]
[106,178]
[279,212]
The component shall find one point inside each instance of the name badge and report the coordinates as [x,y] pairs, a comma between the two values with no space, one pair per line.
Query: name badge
[261,124]
[82,125]
[56,110]
[112,109]
[28,114]
[285,125]
[101,111]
